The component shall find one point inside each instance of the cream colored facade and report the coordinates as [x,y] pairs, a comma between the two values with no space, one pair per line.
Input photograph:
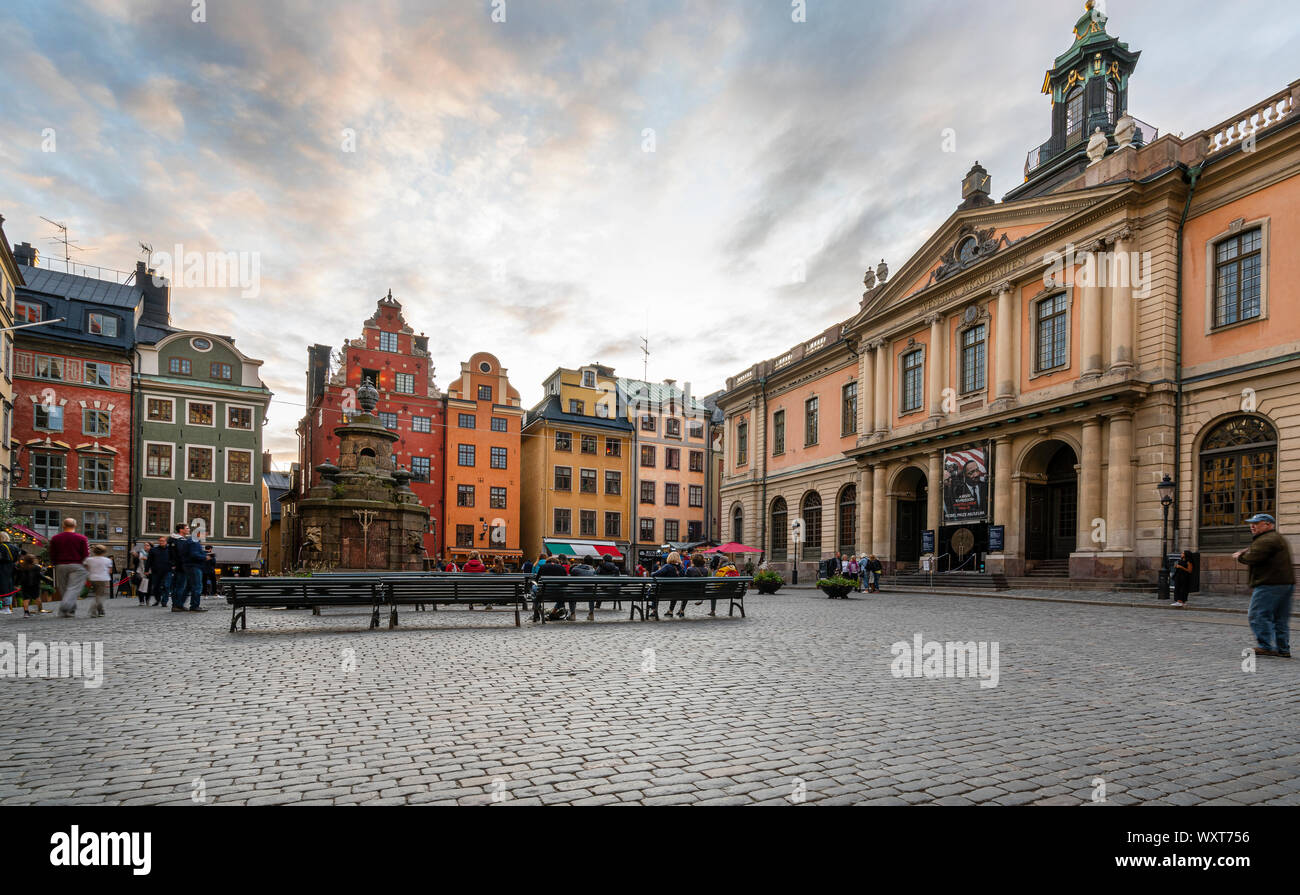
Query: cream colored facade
[1046,330]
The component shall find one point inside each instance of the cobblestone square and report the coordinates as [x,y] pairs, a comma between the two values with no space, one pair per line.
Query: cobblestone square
[795,703]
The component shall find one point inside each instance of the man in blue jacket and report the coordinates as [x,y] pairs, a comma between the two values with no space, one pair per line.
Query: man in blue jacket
[193,557]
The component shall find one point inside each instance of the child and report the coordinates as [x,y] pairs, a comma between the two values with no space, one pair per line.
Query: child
[101,576]
[28,577]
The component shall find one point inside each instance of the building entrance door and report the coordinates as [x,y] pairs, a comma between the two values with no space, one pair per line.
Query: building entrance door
[911,522]
[1051,509]
[363,549]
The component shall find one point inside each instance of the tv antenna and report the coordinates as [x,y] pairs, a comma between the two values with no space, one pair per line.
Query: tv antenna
[68,246]
[645,361]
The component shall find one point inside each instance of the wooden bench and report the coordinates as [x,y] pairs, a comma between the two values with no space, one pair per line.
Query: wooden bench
[690,589]
[303,593]
[455,588]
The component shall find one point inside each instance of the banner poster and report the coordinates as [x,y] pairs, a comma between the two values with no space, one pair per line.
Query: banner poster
[966,485]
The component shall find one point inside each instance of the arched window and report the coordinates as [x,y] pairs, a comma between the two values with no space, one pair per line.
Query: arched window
[811,510]
[1112,101]
[1074,114]
[738,524]
[848,520]
[780,530]
[1238,479]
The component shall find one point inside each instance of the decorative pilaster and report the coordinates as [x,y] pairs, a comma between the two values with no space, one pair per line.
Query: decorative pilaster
[866,504]
[882,386]
[1006,343]
[1119,483]
[937,365]
[1091,365]
[1089,486]
[1121,302]
[879,514]
[934,495]
[867,403]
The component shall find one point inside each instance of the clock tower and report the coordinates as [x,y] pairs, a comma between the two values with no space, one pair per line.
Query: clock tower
[1088,85]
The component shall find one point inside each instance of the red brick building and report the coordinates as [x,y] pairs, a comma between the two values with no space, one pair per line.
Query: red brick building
[397,360]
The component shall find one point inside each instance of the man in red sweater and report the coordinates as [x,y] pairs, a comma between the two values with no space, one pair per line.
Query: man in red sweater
[68,550]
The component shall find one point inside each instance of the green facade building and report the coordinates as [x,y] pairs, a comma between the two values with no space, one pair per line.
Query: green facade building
[200,406]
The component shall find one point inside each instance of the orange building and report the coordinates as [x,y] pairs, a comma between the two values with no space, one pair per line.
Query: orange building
[484,464]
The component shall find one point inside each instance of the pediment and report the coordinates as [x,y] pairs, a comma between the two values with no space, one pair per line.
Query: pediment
[972,242]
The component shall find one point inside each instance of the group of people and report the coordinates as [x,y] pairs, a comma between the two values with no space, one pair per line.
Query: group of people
[696,566]
[176,570]
[75,566]
[862,569]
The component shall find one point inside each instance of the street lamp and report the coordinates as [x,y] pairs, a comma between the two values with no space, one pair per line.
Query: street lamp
[1166,490]
[45,494]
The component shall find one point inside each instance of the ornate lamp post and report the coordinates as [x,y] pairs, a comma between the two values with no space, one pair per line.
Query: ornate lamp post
[1166,490]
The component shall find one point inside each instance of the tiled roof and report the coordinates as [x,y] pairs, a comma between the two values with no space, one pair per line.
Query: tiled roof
[89,289]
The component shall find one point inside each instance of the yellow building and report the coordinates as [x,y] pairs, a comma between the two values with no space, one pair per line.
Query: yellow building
[577,468]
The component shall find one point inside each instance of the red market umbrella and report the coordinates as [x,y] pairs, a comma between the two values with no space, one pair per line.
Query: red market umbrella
[733,547]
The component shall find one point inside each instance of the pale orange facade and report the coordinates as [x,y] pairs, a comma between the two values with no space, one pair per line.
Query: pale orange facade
[1038,366]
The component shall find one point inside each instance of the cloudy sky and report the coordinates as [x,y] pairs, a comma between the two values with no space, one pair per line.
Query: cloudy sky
[556,185]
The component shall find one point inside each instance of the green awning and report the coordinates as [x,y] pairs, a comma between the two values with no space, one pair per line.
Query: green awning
[561,549]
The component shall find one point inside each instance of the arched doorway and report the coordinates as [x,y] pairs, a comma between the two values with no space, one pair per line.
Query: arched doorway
[911,493]
[810,508]
[738,524]
[1051,502]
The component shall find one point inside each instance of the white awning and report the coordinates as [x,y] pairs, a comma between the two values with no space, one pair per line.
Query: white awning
[240,555]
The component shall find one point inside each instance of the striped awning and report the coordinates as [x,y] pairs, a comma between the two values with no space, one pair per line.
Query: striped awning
[582,548]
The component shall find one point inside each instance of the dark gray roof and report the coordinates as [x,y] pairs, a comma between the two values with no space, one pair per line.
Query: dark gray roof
[550,410]
[277,480]
[152,334]
[89,289]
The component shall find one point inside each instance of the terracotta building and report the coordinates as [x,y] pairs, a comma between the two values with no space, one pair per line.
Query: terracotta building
[1011,398]
[392,356]
[484,464]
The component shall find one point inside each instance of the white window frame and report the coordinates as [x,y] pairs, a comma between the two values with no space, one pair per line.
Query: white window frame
[103,316]
[251,476]
[171,401]
[171,514]
[189,517]
[902,382]
[144,456]
[225,521]
[211,425]
[201,447]
[1034,302]
[252,417]
[397,379]
[1236,228]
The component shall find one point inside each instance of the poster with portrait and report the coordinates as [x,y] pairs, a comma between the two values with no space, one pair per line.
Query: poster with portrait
[966,485]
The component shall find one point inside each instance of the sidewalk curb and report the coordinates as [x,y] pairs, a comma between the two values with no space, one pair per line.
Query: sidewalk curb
[1007,595]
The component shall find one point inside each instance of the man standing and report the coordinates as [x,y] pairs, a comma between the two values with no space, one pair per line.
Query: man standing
[68,550]
[192,557]
[158,562]
[1272,579]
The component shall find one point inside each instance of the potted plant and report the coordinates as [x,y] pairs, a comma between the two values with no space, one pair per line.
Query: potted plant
[768,582]
[836,587]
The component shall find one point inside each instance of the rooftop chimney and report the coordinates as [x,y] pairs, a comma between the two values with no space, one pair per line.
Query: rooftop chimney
[157,296]
[266,462]
[25,254]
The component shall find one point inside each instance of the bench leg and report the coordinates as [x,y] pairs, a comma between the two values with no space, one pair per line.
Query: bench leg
[315,610]
[517,616]
[234,612]
[392,617]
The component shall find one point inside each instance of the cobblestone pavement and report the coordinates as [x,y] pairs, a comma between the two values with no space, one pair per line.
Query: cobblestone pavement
[796,702]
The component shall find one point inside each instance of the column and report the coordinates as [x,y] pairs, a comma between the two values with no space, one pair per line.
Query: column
[879,514]
[937,365]
[865,513]
[934,495]
[1119,483]
[1090,311]
[1005,371]
[882,386]
[867,401]
[1121,301]
[1002,506]
[1089,486]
